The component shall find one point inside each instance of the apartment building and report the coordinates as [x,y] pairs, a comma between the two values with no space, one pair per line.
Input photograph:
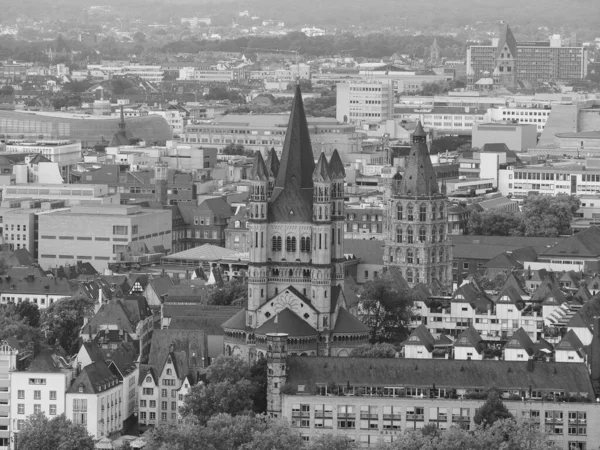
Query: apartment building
[206,74]
[263,132]
[13,356]
[28,284]
[236,233]
[364,221]
[65,153]
[376,399]
[536,116]
[443,119]
[69,193]
[364,101]
[100,233]
[40,388]
[508,63]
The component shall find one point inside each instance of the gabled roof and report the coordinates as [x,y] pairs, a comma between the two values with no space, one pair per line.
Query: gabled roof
[161,285]
[186,348]
[421,336]
[336,166]
[237,322]
[507,38]
[123,360]
[512,281]
[509,295]
[259,169]
[110,313]
[444,373]
[347,323]
[46,362]
[547,293]
[419,178]
[470,338]
[577,321]
[520,340]
[586,243]
[93,378]
[216,205]
[512,259]
[287,320]
[583,294]
[570,342]
[292,200]
[321,172]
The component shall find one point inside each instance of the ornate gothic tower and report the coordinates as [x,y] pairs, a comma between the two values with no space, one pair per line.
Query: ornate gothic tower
[417,239]
[295,270]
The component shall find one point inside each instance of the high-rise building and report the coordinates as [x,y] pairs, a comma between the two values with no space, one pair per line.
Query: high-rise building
[364,101]
[296,253]
[511,64]
[417,242]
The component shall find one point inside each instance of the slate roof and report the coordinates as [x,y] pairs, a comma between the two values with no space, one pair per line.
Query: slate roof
[321,172]
[419,179]
[507,37]
[512,281]
[287,320]
[347,323]
[161,284]
[45,362]
[486,247]
[123,360]
[586,243]
[336,166]
[368,251]
[186,347]
[578,321]
[570,342]
[237,322]
[94,378]
[444,373]
[512,258]
[272,163]
[110,313]
[292,197]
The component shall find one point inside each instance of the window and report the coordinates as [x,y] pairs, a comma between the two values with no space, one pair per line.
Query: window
[152,403]
[305,244]
[120,230]
[346,417]
[290,244]
[163,393]
[554,422]
[409,213]
[37,395]
[399,234]
[80,411]
[20,408]
[20,394]
[142,403]
[422,234]
[462,416]
[369,419]
[409,256]
[52,395]
[164,405]
[148,391]
[323,416]
[392,416]
[399,211]
[52,410]
[577,423]
[409,235]
[276,244]
[423,213]
[300,415]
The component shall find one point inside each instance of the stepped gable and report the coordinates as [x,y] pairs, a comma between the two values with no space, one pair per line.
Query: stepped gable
[259,169]
[292,199]
[419,178]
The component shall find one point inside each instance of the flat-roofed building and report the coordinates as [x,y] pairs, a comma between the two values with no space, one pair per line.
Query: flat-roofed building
[66,153]
[72,194]
[99,234]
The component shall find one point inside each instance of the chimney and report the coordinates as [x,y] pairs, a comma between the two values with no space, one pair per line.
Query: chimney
[595,350]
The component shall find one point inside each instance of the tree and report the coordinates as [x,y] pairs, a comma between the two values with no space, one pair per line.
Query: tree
[332,442]
[491,411]
[235,291]
[550,216]
[495,223]
[29,313]
[62,321]
[387,309]
[234,149]
[379,350]
[258,378]
[39,433]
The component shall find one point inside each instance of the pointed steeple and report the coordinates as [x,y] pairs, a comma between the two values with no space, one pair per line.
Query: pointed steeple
[419,178]
[506,40]
[259,169]
[336,166]
[272,163]
[321,173]
[292,194]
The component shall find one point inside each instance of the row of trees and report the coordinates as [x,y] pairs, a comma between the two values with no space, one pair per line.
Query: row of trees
[540,215]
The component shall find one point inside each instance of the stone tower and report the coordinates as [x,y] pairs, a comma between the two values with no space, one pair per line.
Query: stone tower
[296,255]
[161,175]
[505,72]
[276,371]
[417,223]
[434,52]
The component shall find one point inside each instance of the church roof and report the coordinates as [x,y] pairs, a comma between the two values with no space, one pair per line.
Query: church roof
[347,323]
[292,195]
[259,169]
[336,166]
[321,173]
[289,322]
[237,322]
[419,178]
[272,163]
[506,37]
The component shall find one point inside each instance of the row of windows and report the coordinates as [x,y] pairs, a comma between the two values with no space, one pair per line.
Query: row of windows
[37,408]
[422,212]
[437,234]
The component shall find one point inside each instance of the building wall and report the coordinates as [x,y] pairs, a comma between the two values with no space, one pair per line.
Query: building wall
[67,237]
[364,101]
[384,424]
[99,413]
[516,137]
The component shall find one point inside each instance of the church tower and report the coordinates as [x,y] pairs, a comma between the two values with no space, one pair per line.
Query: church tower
[434,52]
[296,255]
[417,223]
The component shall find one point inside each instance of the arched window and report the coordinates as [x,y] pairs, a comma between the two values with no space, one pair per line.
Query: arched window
[441,216]
[422,213]
[422,234]
[409,235]
[305,244]
[320,212]
[441,274]
[169,372]
[441,233]
[417,276]
[276,243]
[433,233]
[433,211]
[290,244]
[399,211]
[399,234]
[409,275]
[409,212]
[409,256]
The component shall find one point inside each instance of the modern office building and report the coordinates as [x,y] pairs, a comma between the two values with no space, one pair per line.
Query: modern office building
[71,194]
[98,234]
[511,64]
[266,131]
[518,137]
[417,223]
[364,101]
[537,116]
[442,119]
[296,267]
[87,129]
[65,153]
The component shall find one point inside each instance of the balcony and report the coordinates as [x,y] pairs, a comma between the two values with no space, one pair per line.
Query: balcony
[415,417]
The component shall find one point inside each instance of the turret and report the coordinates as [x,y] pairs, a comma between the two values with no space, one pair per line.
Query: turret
[337,174]
[161,174]
[272,165]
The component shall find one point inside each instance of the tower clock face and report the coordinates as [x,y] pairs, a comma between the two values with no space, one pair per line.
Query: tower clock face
[286,302]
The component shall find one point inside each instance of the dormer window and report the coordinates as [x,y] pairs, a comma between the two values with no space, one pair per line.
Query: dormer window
[169,371]
[80,388]
[148,379]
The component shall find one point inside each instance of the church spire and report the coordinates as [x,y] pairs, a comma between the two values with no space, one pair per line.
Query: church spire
[259,169]
[292,193]
[419,178]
